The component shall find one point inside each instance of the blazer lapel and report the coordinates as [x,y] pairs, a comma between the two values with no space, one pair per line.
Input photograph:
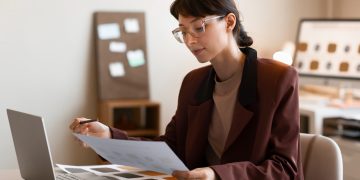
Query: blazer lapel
[199,117]
[240,119]
[247,97]
[198,127]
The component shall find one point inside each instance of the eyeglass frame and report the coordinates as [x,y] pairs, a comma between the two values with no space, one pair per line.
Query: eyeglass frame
[203,23]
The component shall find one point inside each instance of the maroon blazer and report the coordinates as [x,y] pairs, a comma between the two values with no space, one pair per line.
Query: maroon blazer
[263,142]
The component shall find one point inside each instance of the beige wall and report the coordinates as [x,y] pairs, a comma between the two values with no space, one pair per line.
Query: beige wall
[346,8]
[271,23]
[47,64]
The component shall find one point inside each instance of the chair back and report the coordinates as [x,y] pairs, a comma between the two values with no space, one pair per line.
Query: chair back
[321,158]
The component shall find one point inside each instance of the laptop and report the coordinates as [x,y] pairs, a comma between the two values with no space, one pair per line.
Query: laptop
[32,149]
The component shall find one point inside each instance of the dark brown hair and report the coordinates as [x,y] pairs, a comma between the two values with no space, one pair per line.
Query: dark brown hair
[202,8]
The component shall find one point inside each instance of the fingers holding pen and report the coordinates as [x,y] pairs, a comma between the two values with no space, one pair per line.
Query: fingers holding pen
[77,127]
[74,123]
[91,127]
[81,128]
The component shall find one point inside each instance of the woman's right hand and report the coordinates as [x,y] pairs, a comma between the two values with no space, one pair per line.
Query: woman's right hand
[96,128]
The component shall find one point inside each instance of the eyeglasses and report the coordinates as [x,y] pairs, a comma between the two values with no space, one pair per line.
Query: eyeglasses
[196,29]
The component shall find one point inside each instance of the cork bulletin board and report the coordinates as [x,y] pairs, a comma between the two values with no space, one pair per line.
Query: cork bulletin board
[121,55]
[328,48]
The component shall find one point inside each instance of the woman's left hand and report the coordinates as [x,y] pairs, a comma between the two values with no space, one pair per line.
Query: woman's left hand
[205,173]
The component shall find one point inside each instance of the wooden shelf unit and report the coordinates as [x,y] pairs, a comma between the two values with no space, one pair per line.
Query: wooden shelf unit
[136,117]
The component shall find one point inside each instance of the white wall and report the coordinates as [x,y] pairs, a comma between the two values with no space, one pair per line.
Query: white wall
[47,65]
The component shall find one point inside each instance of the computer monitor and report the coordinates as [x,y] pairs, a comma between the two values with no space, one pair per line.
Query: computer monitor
[328,52]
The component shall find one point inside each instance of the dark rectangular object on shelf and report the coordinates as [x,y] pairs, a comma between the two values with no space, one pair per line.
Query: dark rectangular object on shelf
[347,128]
[136,117]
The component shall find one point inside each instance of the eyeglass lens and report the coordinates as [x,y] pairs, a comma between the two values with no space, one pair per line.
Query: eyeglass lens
[195,29]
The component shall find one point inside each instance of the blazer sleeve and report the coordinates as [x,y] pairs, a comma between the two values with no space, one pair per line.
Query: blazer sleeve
[282,151]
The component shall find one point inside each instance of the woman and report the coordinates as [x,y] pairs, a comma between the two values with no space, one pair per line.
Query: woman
[236,118]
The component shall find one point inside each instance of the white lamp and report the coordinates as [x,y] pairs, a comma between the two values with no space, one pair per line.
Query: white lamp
[285,55]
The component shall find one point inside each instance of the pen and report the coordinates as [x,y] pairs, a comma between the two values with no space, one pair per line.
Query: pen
[88,121]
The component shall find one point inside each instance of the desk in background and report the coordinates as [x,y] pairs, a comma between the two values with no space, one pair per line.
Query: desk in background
[313,112]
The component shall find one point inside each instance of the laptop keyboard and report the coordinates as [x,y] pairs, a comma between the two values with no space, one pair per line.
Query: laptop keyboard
[67,177]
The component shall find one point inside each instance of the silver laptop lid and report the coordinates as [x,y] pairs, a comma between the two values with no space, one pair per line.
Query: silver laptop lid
[31,146]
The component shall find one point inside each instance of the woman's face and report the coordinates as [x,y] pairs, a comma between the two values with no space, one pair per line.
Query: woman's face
[205,37]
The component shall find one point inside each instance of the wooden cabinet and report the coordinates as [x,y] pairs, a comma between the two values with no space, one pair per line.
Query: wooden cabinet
[137,117]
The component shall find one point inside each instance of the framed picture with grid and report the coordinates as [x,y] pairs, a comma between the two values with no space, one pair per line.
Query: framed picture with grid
[328,48]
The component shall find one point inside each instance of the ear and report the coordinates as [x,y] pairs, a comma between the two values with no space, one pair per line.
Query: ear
[230,20]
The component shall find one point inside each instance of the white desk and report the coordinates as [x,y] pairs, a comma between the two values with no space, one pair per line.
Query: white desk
[14,174]
[316,111]
[10,174]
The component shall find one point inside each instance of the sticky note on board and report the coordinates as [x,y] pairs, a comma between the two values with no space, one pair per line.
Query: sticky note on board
[131,25]
[118,47]
[136,58]
[117,69]
[108,31]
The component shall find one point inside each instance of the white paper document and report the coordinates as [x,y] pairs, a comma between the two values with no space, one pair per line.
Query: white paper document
[117,69]
[149,155]
[108,31]
[111,171]
[117,47]
[135,58]
[131,25]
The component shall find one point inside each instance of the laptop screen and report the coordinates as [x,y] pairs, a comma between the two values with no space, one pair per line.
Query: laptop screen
[31,145]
